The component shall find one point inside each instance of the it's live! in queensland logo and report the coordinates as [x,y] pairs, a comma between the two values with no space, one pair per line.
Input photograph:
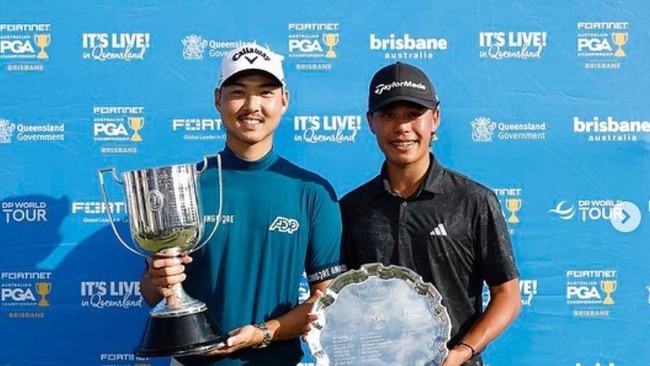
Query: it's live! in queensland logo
[104,294]
[336,129]
[115,46]
[523,45]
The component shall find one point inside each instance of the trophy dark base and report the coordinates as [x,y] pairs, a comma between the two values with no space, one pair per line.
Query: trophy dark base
[180,335]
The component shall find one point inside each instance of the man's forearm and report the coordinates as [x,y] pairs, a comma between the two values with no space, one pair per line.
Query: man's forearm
[503,308]
[292,324]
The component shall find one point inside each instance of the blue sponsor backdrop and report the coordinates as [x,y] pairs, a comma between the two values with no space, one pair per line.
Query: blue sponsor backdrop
[545,102]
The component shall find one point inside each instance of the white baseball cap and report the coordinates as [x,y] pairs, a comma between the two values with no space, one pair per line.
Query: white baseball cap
[251,57]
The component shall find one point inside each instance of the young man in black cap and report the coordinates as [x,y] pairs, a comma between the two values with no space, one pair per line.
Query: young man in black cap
[420,215]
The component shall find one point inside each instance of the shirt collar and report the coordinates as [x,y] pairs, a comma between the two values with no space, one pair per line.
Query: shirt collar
[432,182]
[234,162]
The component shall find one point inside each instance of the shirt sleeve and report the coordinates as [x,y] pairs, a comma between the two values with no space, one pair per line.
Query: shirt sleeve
[497,257]
[323,260]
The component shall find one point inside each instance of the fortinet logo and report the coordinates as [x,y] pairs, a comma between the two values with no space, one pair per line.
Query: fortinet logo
[603,25]
[438,231]
[380,88]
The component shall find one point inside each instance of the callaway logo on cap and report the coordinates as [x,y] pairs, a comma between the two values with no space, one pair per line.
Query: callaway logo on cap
[401,82]
[251,57]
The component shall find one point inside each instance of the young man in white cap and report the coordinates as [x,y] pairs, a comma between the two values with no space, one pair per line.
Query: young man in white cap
[441,224]
[278,221]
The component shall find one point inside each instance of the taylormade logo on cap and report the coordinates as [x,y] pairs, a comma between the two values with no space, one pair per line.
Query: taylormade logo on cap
[251,57]
[400,82]
[380,88]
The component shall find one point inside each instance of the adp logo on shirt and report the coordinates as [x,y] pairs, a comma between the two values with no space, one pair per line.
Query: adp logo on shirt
[284,225]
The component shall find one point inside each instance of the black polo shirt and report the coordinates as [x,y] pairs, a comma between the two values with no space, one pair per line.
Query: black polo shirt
[451,232]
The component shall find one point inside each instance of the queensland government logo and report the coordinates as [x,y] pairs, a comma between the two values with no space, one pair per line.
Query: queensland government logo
[313,45]
[499,45]
[6,131]
[194,47]
[624,216]
[483,130]
[24,47]
[31,132]
[602,44]
[405,46]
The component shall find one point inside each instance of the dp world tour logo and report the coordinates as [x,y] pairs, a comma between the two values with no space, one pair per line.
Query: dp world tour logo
[564,210]
[6,131]
[624,216]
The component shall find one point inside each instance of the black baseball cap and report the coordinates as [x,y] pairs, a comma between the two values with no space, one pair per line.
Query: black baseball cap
[401,82]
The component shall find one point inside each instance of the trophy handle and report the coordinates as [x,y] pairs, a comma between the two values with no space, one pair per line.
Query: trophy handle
[100,173]
[220,180]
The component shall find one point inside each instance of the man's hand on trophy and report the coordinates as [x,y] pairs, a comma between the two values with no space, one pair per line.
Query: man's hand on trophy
[246,336]
[458,356]
[166,269]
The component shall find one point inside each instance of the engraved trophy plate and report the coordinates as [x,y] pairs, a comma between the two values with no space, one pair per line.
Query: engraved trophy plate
[379,315]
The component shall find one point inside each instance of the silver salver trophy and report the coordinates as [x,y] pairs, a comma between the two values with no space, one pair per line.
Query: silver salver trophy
[164,213]
[379,316]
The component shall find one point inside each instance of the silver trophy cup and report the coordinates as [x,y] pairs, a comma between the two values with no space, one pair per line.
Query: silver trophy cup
[164,213]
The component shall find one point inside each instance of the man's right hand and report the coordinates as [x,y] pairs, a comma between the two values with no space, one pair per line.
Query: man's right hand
[166,269]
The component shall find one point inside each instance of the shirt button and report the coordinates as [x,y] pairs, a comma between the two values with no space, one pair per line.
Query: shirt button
[404,204]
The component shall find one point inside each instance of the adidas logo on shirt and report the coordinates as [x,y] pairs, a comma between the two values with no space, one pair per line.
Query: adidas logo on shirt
[438,231]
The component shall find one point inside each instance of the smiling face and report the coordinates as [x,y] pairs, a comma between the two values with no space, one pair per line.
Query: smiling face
[404,131]
[251,108]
